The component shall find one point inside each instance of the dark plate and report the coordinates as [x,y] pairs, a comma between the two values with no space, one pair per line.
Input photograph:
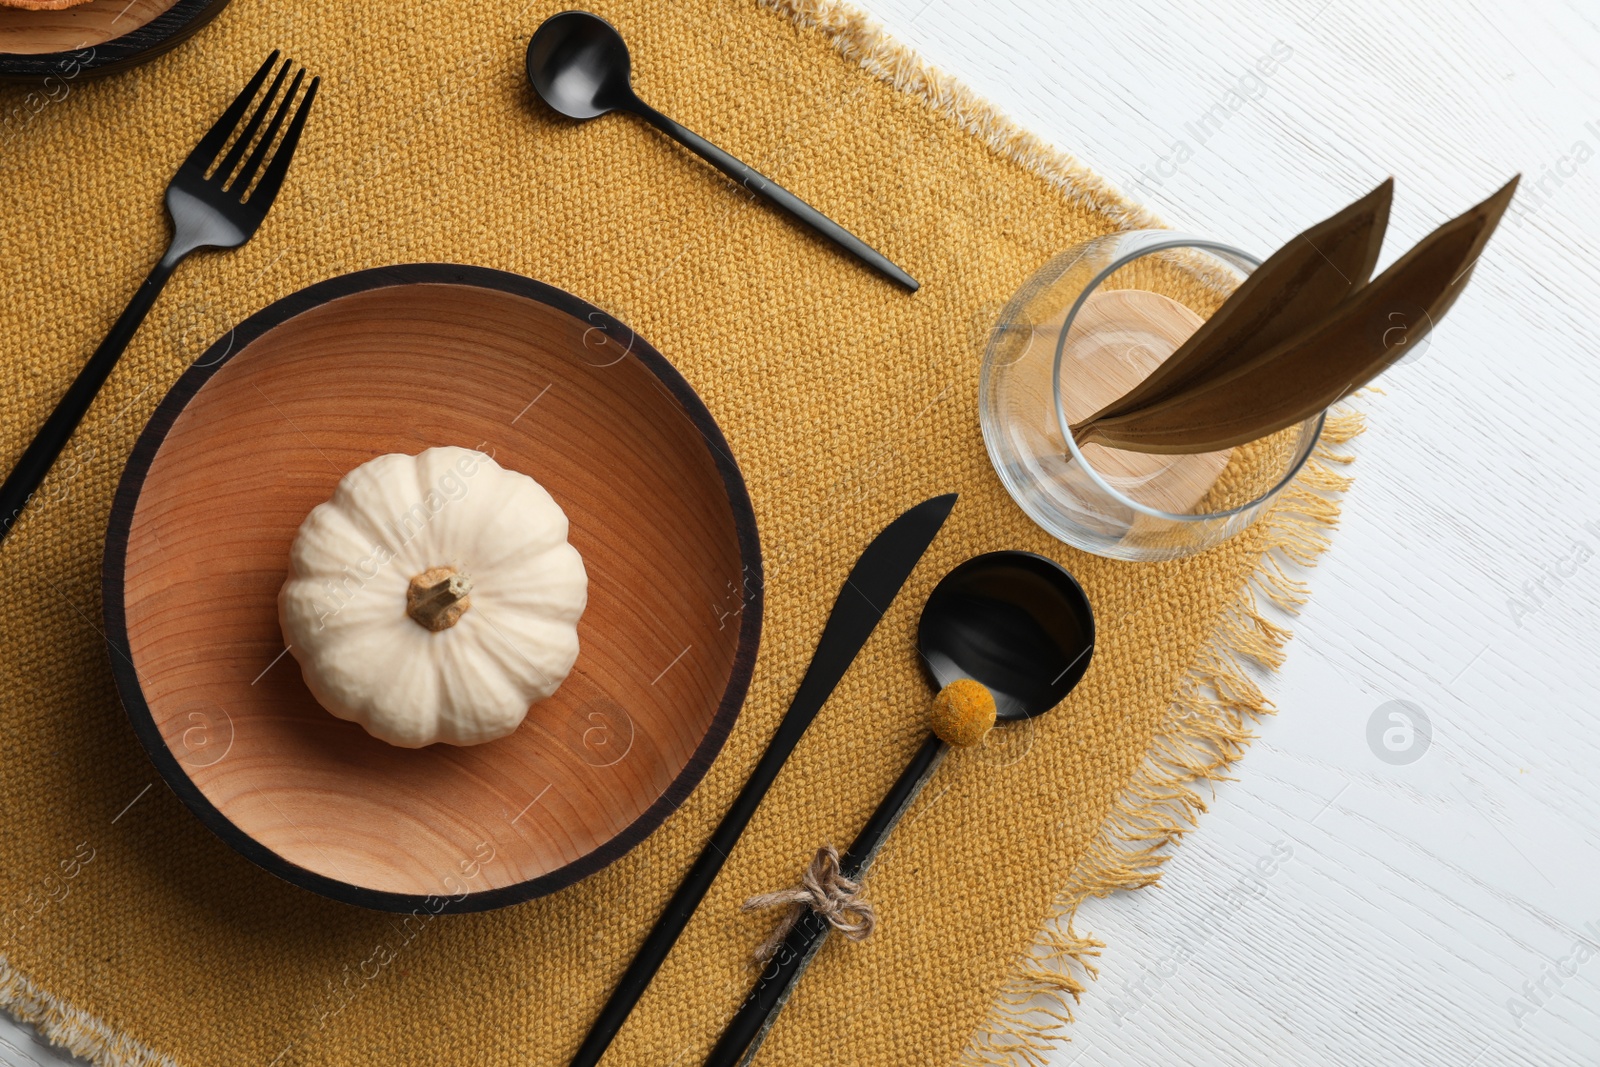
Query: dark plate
[99,37]
[261,428]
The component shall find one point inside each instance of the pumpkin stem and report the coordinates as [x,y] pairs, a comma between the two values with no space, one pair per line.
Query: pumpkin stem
[437,598]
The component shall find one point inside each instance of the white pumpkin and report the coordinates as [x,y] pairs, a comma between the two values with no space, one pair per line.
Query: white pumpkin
[434,598]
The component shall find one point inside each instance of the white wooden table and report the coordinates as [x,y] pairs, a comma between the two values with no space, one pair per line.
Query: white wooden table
[1442,911]
[1423,913]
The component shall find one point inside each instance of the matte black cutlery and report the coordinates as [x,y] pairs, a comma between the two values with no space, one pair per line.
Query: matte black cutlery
[867,593]
[579,64]
[213,205]
[1016,623]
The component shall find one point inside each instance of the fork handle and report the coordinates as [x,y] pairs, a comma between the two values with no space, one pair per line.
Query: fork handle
[52,437]
[774,194]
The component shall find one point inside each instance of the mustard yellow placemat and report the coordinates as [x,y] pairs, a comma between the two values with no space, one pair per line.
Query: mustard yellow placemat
[133,935]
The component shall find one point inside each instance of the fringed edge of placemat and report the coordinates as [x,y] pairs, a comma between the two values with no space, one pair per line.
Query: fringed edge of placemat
[1207,729]
[73,1029]
[855,35]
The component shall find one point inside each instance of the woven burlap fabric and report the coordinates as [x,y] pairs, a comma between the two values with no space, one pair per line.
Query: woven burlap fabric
[130,930]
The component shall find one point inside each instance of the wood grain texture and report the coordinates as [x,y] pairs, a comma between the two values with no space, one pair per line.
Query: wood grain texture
[97,37]
[1418,899]
[238,457]
[32,32]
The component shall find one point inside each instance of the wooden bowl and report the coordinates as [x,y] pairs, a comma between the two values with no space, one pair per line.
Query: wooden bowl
[94,38]
[261,428]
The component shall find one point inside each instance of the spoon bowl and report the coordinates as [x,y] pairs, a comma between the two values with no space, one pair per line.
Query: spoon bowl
[1015,622]
[579,64]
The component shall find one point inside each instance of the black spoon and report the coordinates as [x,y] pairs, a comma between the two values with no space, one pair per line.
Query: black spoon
[578,63]
[1017,623]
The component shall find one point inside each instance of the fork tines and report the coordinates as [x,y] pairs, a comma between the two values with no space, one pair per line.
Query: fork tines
[228,174]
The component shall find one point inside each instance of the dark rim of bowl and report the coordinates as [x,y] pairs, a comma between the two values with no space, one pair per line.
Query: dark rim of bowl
[240,338]
[161,34]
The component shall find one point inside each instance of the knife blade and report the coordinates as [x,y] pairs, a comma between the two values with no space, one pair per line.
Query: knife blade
[867,592]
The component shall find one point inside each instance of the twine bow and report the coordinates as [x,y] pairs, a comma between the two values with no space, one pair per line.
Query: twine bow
[823,889]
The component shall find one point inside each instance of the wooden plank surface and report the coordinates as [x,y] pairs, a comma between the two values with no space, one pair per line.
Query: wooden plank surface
[1334,908]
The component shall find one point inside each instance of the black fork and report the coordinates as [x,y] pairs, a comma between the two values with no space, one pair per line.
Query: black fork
[213,205]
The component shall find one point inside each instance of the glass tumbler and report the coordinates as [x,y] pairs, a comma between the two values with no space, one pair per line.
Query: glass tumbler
[1083,330]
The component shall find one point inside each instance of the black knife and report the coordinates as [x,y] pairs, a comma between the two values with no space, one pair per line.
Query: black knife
[867,593]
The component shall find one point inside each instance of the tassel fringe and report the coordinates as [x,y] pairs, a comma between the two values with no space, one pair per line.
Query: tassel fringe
[77,1031]
[1208,724]
[1207,728]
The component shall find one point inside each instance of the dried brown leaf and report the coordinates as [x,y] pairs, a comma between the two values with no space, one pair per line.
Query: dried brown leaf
[1298,285]
[1324,363]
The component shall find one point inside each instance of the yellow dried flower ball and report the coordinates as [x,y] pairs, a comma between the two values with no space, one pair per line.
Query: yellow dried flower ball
[962,713]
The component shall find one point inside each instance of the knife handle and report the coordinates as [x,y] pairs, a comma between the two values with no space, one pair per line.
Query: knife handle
[755,1017]
[680,909]
[882,569]
[814,690]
